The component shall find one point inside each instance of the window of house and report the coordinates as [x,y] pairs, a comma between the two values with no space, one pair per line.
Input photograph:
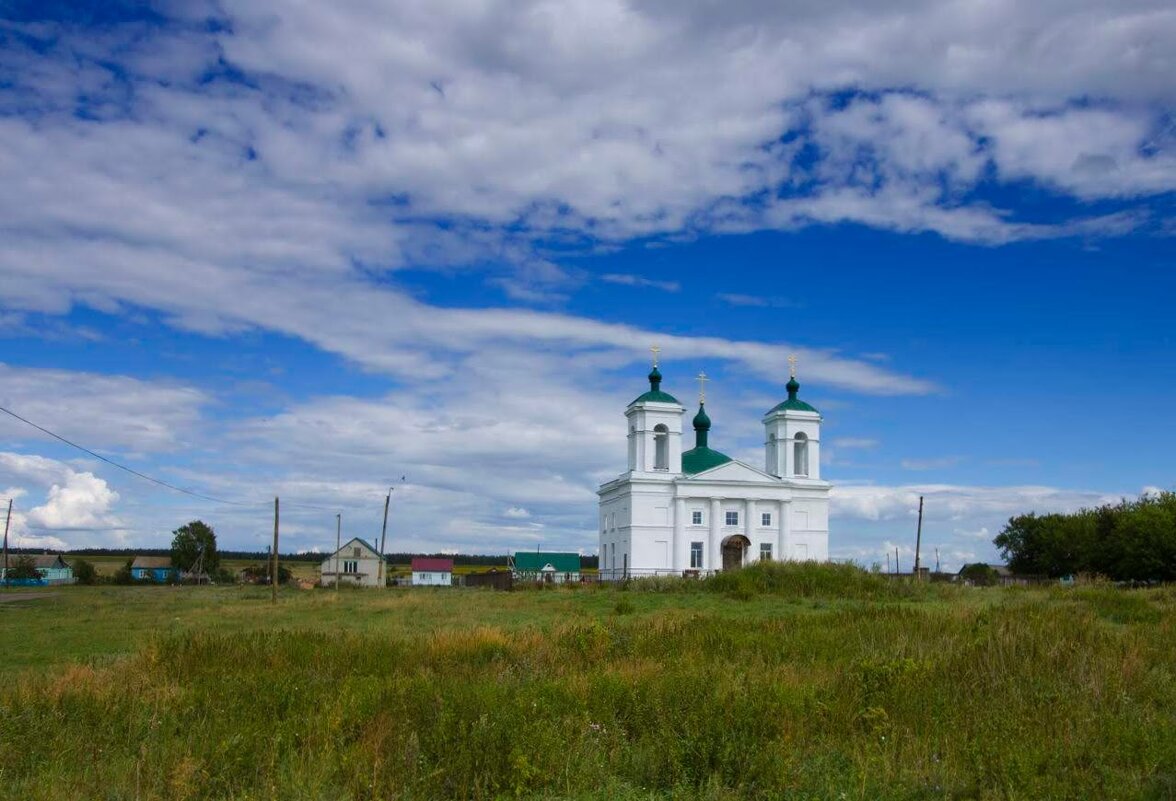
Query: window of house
[696,555]
[696,518]
[766,519]
[661,447]
[732,518]
[426,576]
[350,567]
[765,551]
[800,455]
[355,552]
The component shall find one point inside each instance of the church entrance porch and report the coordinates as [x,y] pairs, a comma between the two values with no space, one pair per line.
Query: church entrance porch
[735,551]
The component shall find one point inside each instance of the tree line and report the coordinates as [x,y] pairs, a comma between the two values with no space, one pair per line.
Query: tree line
[1133,540]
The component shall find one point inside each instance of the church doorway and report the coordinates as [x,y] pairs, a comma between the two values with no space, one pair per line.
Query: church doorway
[735,551]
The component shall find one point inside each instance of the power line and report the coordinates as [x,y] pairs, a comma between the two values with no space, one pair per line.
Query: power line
[130,470]
[159,481]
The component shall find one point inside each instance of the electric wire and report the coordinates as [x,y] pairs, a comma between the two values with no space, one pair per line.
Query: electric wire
[152,479]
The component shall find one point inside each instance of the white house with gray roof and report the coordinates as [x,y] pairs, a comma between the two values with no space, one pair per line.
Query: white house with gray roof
[356,563]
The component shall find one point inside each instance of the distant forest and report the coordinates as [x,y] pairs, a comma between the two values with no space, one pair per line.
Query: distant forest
[393,558]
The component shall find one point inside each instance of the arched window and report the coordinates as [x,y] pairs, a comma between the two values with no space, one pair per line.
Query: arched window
[661,447]
[800,455]
[773,464]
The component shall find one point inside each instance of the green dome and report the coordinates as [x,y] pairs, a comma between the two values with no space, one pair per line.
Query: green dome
[701,420]
[655,394]
[700,457]
[793,404]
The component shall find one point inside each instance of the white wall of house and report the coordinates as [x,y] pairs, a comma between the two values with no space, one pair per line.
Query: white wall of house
[432,578]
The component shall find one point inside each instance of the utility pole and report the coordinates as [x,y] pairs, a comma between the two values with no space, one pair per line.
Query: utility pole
[919,537]
[888,570]
[936,560]
[274,574]
[897,569]
[7,520]
[383,536]
[338,529]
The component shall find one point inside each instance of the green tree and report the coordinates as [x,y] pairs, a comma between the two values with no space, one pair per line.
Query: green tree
[123,575]
[980,574]
[84,572]
[23,568]
[187,542]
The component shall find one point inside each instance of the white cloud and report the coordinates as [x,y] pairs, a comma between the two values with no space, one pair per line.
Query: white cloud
[940,463]
[516,512]
[101,411]
[637,280]
[74,500]
[849,443]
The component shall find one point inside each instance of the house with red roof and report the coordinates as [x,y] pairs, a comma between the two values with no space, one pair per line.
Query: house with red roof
[430,571]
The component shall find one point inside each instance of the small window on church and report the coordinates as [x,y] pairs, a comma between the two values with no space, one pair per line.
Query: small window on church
[766,519]
[765,551]
[732,518]
[800,455]
[696,518]
[661,447]
[696,555]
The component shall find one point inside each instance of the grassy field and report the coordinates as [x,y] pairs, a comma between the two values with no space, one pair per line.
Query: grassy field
[791,682]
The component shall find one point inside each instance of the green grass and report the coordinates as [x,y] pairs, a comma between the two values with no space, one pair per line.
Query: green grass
[785,682]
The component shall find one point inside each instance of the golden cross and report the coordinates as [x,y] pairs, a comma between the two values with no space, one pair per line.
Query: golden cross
[656,350]
[702,379]
[792,366]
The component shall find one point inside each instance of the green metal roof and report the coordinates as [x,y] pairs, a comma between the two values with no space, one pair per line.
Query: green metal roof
[534,561]
[655,394]
[793,404]
[702,458]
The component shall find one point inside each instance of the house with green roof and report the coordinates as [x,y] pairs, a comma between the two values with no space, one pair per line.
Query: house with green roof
[692,511]
[550,567]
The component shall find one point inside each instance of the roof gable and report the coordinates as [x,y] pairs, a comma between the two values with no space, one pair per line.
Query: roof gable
[351,543]
[534,561]
[732,470]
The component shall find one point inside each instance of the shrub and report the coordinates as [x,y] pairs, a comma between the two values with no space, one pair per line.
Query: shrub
[22,568]
[979,574]
[813,580]
[84,572]
[123,575]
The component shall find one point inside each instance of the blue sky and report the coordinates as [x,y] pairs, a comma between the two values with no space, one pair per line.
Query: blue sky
[259,248]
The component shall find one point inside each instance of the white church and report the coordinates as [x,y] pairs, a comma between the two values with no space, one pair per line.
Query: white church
[692,512]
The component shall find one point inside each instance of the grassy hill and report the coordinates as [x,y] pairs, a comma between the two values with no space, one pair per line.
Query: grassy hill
[794,681]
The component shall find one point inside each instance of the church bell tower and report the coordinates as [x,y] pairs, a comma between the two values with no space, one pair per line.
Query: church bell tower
[792,446]
[655,429]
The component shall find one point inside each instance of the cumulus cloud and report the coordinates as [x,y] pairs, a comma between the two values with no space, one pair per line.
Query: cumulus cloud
[74,500]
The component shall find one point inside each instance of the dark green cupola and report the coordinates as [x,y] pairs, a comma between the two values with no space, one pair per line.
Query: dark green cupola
[655,393]
[701,457]
[793,404]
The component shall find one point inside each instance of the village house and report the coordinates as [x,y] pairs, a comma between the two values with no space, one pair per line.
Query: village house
[432,572]
[53,570]
[153,568]
[550,568]
[356,563]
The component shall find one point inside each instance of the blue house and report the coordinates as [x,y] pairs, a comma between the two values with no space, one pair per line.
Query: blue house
[53,570]
[153,568]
